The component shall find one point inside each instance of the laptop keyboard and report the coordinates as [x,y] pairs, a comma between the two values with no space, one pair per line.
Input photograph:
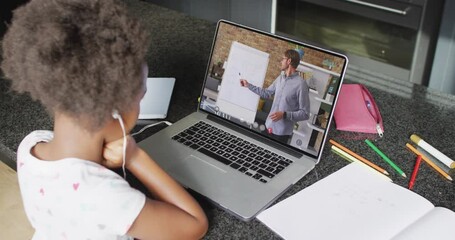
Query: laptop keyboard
[246,157]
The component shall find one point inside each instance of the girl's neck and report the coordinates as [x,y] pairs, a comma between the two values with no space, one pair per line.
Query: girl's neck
[71,141]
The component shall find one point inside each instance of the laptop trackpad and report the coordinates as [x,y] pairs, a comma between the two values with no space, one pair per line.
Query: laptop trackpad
[194,171]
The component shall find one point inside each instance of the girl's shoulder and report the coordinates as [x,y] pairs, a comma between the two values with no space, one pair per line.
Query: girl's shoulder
[38,136]
[26,145]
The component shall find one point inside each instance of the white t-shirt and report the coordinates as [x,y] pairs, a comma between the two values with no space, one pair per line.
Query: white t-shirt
[73,198]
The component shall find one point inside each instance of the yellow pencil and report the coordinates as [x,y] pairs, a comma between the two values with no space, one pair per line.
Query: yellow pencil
[434,166]
[360,158]
[351,159]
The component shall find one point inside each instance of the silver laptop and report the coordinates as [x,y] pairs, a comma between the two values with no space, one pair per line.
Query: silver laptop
[155,103]
[224,150]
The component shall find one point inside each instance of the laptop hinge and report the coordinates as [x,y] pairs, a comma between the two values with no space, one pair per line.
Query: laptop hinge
[255,136]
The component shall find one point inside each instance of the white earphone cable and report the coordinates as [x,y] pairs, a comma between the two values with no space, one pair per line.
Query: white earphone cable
[149,126]
[117,116]
[124,144]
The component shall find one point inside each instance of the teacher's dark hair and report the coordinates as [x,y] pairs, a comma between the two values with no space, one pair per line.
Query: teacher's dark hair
[294,56]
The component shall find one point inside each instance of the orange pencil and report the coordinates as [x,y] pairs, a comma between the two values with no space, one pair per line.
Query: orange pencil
[360,158]
[434,166]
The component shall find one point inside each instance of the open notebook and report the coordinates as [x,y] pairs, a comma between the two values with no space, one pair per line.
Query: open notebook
[356,204]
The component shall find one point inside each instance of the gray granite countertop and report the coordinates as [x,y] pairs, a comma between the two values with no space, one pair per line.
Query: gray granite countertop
[180,48]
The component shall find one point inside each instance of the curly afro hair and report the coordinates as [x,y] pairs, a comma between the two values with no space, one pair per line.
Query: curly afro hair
[82,58]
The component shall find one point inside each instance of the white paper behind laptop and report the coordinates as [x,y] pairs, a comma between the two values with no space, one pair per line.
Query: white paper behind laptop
[155,103]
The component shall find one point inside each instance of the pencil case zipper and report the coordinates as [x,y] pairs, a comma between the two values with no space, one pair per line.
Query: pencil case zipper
[371,106]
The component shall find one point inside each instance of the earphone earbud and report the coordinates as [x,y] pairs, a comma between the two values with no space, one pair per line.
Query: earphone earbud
[117,116]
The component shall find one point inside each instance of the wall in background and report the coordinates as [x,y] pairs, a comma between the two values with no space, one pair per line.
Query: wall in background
[443,71]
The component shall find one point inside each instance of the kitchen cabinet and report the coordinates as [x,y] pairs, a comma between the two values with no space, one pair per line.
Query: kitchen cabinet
[252,13]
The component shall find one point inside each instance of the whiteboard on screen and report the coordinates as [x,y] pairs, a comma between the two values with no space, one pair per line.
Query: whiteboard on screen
[244,62]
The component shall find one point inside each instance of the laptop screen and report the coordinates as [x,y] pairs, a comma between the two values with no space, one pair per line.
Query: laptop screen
[279,88]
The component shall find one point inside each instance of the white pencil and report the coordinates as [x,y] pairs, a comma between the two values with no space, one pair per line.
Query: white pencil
[433,151]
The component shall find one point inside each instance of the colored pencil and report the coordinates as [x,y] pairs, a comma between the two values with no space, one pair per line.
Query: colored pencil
[360,158]
[414,172]
[386,159]
[351,159]
[428,161]
[433,151]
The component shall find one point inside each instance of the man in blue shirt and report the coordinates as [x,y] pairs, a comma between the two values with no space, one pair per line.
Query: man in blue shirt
[290,94]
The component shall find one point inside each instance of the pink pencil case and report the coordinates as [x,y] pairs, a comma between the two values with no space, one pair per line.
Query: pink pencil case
[356,110]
